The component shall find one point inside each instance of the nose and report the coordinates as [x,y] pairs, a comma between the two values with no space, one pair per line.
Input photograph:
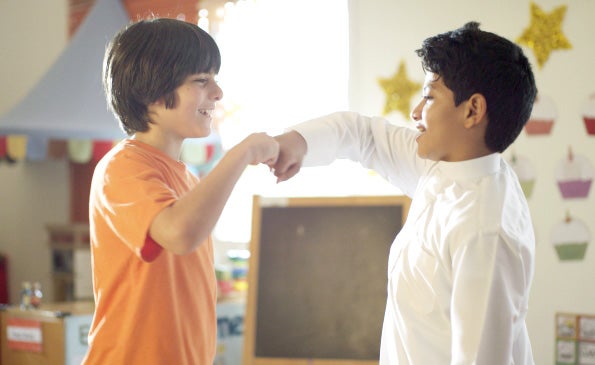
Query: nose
[416,112]
[217,93]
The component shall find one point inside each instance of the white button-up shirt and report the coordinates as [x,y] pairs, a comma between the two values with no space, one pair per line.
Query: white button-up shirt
[460,269]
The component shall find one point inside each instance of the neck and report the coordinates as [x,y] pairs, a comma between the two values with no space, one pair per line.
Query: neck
[169,146]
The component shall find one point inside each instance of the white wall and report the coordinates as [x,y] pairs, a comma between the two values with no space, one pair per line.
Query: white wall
[386,31]
[32,194]
[383,33]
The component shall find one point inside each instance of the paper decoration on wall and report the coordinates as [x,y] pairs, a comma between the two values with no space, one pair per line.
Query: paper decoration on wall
[201,160]
[543,116]
[37,148]
[199,154]
[544,33]
[85,150]
[574,175]
[100,148]
[575,338]
[57,148]
[570,238]
[589,114]
[16,147]
[398,90]
[566,333]
[2,147]
[525,173]
[23,148]
[80,151]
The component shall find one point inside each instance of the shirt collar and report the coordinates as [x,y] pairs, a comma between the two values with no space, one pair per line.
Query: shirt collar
[476,167]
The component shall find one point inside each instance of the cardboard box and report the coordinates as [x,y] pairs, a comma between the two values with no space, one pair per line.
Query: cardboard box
[230,332]
[55,334]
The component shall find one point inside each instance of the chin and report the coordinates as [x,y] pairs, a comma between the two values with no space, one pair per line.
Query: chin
[202,132]
[420,152]
[423,156]
[426,156]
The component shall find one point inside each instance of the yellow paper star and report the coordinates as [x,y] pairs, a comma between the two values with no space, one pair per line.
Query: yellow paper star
[399,90]
[544,34]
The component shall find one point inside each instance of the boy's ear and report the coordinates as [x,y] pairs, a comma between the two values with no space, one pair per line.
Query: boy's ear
[158,102]
[476,110]
[156,106]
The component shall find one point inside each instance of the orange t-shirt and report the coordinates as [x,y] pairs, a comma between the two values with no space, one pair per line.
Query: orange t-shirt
[151,306]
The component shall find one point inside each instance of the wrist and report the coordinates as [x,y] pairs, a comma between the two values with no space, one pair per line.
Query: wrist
[241,152]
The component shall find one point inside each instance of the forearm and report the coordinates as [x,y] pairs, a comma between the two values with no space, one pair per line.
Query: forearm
[337,135]
[389,150]
[316,142]
[184,225]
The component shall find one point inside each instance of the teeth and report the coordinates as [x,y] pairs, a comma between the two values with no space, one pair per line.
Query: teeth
[420,127]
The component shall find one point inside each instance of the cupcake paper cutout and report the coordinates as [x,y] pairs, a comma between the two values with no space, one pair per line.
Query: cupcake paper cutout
[589,114]
[542,117]
[574,175]
[570,238]
[525,172]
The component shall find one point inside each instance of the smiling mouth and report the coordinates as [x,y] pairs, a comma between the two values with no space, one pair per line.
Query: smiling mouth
[420,127]
[205,112]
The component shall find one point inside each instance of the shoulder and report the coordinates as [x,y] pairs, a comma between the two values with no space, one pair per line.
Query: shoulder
[495,208]
[125,168]
[126,158]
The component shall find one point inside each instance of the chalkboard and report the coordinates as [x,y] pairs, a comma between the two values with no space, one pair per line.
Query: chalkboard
[317,278]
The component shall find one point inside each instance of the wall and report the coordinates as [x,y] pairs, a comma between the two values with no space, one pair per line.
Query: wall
[32,194]
[386,31]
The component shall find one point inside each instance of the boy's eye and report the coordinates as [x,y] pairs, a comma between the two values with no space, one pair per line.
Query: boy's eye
[203,79]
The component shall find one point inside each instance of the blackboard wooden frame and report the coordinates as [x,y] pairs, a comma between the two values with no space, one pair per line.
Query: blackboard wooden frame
[266,214]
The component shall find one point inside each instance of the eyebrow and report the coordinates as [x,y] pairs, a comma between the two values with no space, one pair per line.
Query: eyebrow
[427,88]
[432,85]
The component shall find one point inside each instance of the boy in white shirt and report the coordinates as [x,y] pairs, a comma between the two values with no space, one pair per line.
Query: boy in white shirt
[461,268]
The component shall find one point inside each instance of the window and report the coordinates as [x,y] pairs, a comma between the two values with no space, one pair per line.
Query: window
[283,62]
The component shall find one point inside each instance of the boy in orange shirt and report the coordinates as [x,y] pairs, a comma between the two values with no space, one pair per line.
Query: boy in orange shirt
[151,219]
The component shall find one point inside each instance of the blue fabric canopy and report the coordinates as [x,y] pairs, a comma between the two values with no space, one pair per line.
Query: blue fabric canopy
[68,102]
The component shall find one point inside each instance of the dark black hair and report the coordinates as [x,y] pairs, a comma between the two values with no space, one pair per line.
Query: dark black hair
[148,60]
[471,61]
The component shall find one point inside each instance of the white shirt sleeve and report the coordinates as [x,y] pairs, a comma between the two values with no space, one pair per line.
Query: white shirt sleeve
[487,300]
[376,144]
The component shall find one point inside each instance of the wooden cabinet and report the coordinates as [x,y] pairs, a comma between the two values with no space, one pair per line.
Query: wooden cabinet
[71,261]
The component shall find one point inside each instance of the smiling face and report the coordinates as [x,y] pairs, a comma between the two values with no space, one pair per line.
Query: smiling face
[197,97]
[191,116]
[447,132]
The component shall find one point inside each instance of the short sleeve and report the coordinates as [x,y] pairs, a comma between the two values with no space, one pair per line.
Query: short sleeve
[126,196]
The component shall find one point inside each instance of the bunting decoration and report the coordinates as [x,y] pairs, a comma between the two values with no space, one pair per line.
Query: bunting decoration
[2,147]
[200,155]
[16,147]
[37,148]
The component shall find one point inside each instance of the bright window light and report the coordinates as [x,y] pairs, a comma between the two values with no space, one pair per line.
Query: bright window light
[283,62]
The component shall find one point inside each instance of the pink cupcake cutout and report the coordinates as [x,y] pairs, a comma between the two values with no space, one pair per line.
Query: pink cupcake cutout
[542,117]
[570,238]
[525,173]
[574,175]
[589,114]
